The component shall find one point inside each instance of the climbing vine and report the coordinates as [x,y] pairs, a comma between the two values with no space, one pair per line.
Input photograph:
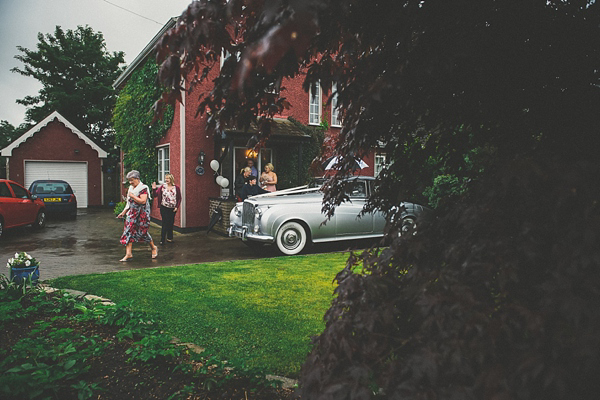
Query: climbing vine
[132,119]
[287,158]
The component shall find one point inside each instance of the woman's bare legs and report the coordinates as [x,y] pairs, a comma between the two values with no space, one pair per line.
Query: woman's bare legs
[154,249]
[128,252]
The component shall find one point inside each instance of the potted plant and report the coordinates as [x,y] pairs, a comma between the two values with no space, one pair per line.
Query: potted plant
[22,267]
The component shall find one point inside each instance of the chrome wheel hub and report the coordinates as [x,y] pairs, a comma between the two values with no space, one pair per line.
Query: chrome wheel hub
[291,239]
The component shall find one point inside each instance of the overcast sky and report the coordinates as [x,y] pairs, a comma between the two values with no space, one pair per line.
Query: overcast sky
[21,20]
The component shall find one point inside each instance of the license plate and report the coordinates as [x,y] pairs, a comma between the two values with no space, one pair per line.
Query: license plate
[52,199]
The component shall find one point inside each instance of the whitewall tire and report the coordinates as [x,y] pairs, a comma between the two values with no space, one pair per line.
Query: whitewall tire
[291,238]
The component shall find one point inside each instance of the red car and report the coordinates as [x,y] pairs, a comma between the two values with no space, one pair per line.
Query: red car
[19,207]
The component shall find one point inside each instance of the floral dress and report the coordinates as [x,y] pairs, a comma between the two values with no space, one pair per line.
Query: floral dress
[137,222]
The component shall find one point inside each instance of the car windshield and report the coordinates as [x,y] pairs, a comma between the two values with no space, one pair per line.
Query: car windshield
[52,188]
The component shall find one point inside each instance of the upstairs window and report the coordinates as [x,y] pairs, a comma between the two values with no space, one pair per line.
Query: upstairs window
[335,112]
[380,162]
[314,106]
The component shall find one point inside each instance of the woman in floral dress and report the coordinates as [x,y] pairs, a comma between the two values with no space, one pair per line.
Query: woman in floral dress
[137,220]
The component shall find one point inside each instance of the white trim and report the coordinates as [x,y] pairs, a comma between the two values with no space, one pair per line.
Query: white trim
[334,107]
[319,106]
[182,206]
[146,51]
[159,177]
[7,151]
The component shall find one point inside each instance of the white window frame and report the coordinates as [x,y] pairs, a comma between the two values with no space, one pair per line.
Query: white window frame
[380,162]
[163,162]
[335,111]
[314,118]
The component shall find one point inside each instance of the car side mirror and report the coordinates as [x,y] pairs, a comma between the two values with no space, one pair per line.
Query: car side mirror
[33,197]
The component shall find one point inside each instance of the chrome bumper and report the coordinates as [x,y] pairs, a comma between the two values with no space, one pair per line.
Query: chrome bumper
[243,233]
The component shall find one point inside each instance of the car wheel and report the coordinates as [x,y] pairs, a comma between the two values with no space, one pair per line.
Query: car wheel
[291,238]
[40,220]
[409,226]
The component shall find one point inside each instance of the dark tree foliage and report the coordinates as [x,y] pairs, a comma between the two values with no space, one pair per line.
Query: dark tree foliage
[287,158]
[496,297]
[8,133]
[76,72]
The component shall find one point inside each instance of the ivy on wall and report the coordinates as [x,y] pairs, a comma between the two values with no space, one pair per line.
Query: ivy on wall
[132,120]
[287,158]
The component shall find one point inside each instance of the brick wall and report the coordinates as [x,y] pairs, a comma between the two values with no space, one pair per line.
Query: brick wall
[56,142]
[226,206]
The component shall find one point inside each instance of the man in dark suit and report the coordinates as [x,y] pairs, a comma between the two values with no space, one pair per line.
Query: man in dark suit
[251,189]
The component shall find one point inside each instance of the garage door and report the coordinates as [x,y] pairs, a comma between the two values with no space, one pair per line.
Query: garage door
[75,173]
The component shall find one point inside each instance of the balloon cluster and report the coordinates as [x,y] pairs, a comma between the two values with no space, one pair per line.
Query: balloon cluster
[221,181]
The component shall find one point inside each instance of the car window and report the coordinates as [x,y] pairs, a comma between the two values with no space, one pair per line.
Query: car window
[357,189]
[19,191]
[51,188]
[4,190]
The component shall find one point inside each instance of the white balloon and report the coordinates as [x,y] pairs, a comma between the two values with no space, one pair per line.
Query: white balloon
[219,179]
[214,165]
[224,182]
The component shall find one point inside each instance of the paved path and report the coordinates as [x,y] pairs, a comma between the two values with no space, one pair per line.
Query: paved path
[90,244]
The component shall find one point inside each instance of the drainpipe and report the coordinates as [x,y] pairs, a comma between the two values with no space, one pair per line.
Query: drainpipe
[182,207]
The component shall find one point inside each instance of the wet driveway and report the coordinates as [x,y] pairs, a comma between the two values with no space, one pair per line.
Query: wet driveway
[90,244]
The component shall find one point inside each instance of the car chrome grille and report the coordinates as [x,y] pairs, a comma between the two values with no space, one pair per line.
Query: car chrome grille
[248,214]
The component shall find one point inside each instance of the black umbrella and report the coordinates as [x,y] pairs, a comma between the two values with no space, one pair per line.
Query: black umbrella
[216,216]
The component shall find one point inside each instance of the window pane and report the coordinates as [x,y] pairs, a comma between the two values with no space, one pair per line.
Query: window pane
[19,191]
[4,192]
[314,105]
[163,162]
[266,156]
[380,163]
[334,108]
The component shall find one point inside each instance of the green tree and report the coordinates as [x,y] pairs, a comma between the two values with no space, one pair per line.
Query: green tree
[8,133]
[76,72]
[497,295]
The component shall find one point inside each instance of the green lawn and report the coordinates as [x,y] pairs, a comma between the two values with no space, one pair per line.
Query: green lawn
[263,311]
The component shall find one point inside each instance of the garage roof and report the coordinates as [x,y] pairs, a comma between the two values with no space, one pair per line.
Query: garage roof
[7,151]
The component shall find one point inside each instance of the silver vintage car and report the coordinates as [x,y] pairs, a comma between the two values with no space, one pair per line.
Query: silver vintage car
[292,218]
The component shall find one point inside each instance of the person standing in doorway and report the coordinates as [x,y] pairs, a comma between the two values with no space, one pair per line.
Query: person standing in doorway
[268,178]
[137,213]
[250,164]
[168,197]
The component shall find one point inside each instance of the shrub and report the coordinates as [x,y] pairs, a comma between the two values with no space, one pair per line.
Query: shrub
[119,207]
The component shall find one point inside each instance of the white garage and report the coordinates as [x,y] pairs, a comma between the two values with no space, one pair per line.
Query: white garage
[75,173]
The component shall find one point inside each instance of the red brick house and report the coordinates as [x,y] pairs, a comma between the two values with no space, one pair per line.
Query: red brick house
[187,145]
[55,149]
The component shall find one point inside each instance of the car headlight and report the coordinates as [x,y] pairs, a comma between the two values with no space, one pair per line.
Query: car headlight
[237,210]
[258,213]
